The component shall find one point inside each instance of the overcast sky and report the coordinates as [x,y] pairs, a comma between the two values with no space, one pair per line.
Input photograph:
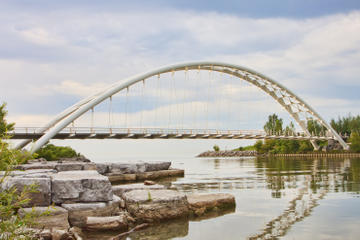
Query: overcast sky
[53,53]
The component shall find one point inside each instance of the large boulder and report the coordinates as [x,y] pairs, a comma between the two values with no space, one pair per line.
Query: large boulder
[119,190]
[42,195]
[160,174]
[74,166]
[156,166]
[123,168]
[80,186]
[48,217]
[79,212]
[202,203]
[106,223]
[156,205]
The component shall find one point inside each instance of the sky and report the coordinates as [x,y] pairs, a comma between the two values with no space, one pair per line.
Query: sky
[54,53]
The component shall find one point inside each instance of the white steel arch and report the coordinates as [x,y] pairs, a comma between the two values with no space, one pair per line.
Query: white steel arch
[293,104]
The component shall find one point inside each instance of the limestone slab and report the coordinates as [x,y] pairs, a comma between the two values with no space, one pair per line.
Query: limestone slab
[156,205]
[160,174]
[57,217]
[202,203]
[78,212]
[42,196]
[80,186]
[119,190]
[107,223]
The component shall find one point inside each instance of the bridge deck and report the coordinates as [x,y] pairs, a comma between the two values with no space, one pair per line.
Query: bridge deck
[154,133]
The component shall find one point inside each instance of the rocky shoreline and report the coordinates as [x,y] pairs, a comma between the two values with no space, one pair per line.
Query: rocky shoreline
[228,153]
[81,198]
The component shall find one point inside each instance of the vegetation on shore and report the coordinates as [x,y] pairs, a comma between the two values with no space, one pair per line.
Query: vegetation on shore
[12,225]
[346,126]
[52,153]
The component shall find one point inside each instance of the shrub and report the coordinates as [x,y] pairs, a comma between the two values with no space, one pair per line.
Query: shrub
[355,142]
[51,152]
[216,148]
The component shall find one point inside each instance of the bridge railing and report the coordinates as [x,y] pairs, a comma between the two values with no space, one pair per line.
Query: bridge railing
[159,131]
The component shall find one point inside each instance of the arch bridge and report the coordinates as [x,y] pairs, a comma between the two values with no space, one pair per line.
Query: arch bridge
[60,127]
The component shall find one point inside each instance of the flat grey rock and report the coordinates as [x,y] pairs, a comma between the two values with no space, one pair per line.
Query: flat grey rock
[43,186]
[156,205]
[57,217]
[80,186]
[78,212]
[119,190]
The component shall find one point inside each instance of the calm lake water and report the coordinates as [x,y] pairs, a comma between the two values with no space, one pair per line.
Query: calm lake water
[275,198]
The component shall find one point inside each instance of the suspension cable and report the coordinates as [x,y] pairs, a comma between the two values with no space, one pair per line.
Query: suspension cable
[142,100]
[92,120]
[157,96]
[126,107]
[110,112]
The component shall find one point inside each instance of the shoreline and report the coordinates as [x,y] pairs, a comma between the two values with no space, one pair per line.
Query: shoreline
[230,153]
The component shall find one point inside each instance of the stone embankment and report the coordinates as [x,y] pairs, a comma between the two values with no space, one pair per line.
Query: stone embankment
[228,153]
[74,197]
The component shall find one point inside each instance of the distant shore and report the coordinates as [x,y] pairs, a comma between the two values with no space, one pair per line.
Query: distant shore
[228,153]
[232,153]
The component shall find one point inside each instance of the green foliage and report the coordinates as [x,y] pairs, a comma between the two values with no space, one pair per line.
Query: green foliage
[276,146]
[315,128]
[4,126]
[216,148]
[246,148]
[355,142]
[12,225]
[346,125]
[274,125]
[51,152]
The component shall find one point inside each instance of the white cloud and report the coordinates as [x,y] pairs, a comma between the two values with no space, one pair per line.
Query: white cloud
[83,52]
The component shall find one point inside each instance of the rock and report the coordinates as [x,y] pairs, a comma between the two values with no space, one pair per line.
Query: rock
[157,166]
[122,168]
[77,233]
[60,234]
[42,196]
[148,182]
[102,168]
[115,177]
[168,230]
[80,158]
[37,165]
[228,153]
[156,205]
[202,203]
[80,186]
[39,160]
[57,217]
[106,223]
[78,212]
[160,174]
[31,173]
[44,235]
[119,190]
[74,166]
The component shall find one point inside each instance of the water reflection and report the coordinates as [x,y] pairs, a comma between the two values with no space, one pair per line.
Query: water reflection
[273,196]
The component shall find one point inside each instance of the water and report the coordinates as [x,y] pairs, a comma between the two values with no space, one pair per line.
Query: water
[275,197]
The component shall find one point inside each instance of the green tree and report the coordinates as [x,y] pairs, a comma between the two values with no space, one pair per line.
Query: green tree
[12,225]
[274,125]
[4,126]
[51,152]
[355,142]
[315,128]
[216,148]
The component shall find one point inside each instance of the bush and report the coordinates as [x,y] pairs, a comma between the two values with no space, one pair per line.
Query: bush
[355,142]
[216,148]
[51,152]
[12,225]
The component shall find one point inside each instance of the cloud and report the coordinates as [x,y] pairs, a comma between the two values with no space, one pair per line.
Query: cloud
[77,52]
